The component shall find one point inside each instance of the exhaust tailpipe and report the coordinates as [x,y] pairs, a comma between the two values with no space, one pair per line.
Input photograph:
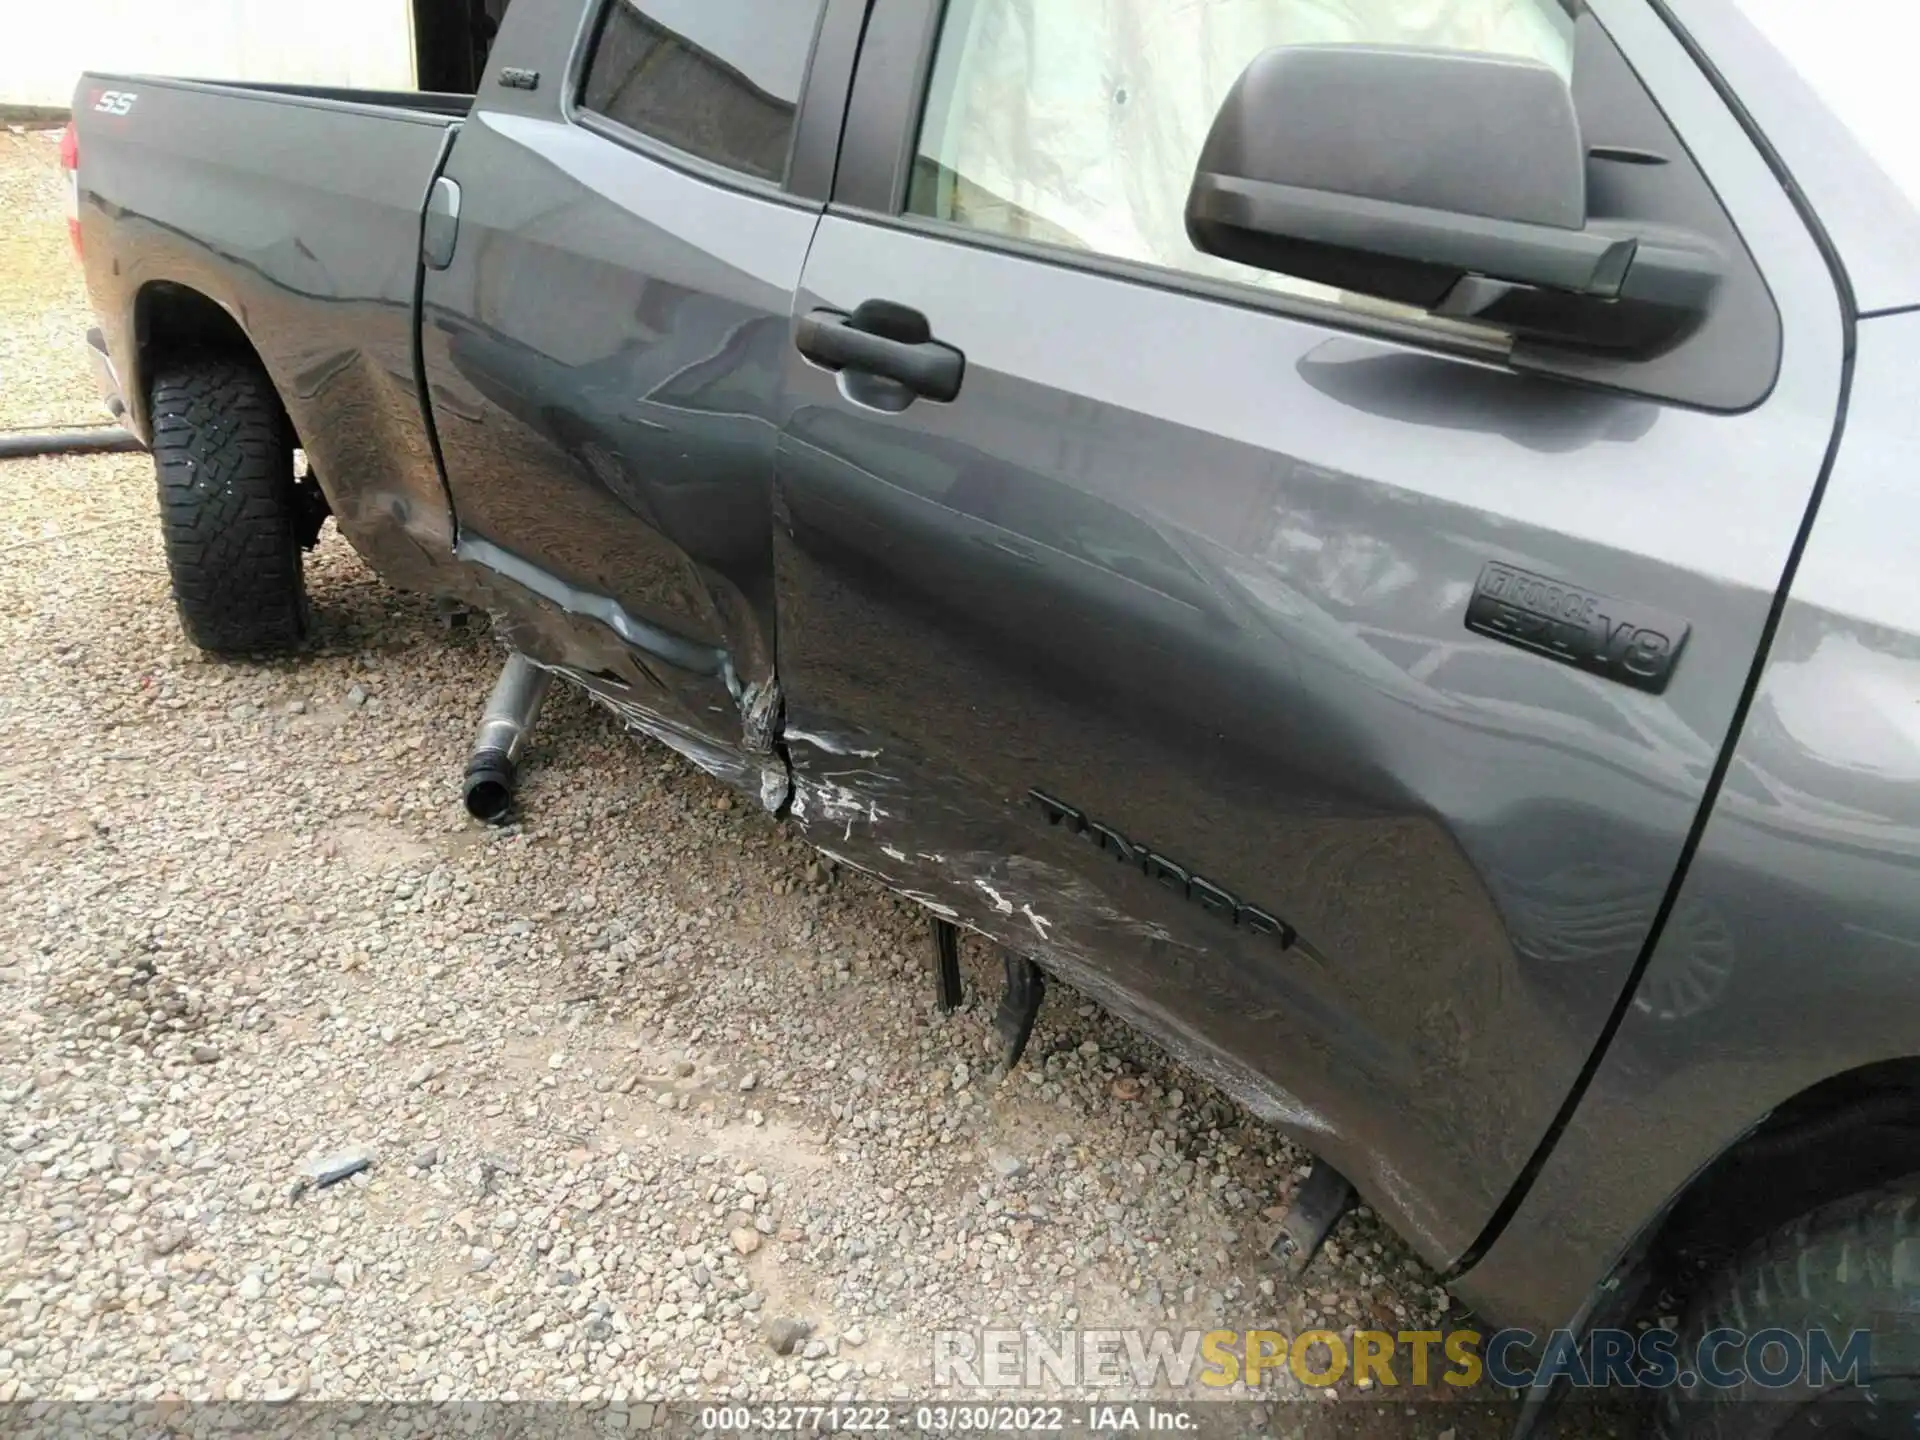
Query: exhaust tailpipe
[504,726]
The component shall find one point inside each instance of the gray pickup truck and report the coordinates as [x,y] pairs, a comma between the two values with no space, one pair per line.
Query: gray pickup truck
[1378,539]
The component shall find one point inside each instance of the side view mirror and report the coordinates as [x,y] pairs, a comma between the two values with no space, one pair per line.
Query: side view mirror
[1447,180]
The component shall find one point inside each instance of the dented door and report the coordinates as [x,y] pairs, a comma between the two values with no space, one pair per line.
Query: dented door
[604,341]
[1331,700]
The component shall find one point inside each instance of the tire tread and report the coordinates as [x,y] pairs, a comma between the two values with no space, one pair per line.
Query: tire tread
[223,463]
[1836,1268]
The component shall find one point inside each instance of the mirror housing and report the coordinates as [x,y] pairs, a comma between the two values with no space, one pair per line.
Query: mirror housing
[1451,181]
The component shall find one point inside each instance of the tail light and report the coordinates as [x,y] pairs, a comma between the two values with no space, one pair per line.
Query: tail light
[70,164]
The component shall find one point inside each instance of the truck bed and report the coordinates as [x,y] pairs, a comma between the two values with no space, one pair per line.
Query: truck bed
[427,102]
[290,214]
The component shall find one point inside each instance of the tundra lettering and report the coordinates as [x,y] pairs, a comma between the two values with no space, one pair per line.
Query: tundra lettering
[1208,896]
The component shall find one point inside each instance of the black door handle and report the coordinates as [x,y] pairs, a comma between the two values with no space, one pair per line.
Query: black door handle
[884,339]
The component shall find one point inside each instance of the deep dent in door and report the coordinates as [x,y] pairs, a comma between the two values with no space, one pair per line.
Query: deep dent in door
[924,844]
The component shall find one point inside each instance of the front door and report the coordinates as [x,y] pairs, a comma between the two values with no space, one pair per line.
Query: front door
[1126,595]
[605,350]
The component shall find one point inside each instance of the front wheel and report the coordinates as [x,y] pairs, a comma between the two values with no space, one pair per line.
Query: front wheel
[230,514]
[1840,1284]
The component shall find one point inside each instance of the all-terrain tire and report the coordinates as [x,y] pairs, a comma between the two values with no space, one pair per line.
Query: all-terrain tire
[1851,1265]
[229,514]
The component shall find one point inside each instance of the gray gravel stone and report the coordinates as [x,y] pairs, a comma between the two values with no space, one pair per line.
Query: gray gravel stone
[783,1334]
[332,1169]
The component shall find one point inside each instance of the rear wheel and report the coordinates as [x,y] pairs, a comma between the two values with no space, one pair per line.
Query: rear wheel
[1847,1267]
[229,510]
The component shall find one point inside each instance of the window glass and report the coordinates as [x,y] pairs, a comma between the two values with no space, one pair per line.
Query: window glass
[719,79]
[1080,122]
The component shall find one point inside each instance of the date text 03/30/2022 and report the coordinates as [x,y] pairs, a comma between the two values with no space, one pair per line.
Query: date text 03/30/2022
[963,1419]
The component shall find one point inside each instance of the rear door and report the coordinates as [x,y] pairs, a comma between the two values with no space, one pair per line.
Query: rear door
[1126,595]
[604,349]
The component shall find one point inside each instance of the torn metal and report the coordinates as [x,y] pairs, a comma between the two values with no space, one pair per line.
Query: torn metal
[762,777]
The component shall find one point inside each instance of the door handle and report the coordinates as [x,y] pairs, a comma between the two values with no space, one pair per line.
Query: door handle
[884,339]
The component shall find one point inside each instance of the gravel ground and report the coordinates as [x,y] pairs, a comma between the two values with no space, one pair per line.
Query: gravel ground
[637,1076]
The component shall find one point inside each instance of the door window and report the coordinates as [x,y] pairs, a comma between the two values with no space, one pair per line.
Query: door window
[1079,122]
[718,80]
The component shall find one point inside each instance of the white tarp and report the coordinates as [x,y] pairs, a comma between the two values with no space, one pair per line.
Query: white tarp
[44,46]
[1080,121]
[1858,57]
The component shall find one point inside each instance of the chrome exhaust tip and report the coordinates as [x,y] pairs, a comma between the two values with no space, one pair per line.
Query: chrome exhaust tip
[505,724]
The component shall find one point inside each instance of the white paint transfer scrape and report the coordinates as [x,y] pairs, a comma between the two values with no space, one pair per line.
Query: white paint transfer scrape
[835,803]
[827,743]
[1000,902]
[1040,923]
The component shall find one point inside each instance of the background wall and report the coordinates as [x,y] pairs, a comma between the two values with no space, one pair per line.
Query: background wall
[45,44]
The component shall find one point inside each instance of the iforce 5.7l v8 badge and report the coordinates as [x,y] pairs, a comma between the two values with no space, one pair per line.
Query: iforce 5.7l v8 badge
[1633,644]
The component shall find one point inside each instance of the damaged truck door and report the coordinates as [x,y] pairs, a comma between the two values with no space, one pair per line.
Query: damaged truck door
[1282,663]
[604,350]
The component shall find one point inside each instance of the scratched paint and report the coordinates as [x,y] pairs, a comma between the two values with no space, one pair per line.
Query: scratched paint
[834,802]
[1040,922]
[945,912]
[859,816]
[1000,902]
[828,743]
[762,777]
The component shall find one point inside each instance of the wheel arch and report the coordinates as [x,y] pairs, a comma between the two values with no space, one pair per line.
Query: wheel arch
[1851,1132]
[1617,1224]
[171,319]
